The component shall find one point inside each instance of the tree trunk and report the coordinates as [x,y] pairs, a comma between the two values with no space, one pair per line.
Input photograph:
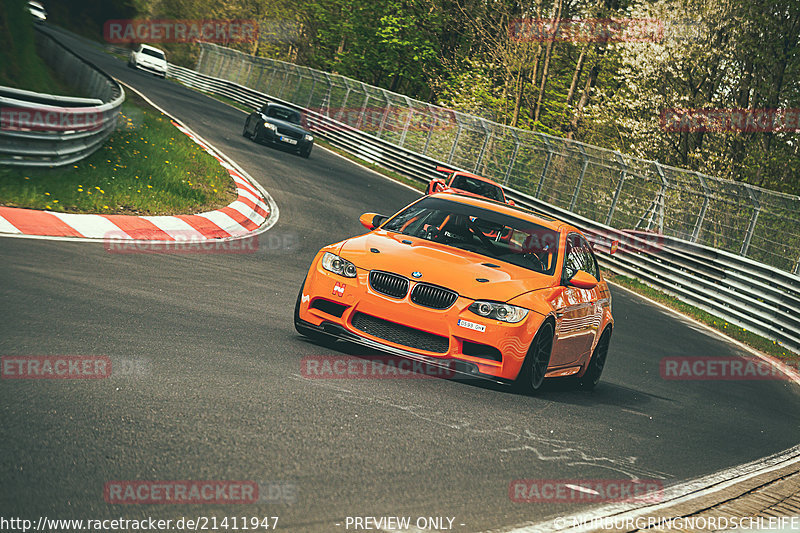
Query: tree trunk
[546,68]
[590,79]
[577,74]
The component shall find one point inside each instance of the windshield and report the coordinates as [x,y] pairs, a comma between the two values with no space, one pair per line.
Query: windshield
[476,186]
[281,113]
[154,53]
[494,235]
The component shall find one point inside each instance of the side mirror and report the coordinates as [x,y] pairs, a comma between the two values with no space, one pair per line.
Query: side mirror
[583,280]
[371,220]
[435,185]
[511,203]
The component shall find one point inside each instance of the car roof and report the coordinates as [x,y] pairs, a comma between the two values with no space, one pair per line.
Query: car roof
[525,214]
[475,176]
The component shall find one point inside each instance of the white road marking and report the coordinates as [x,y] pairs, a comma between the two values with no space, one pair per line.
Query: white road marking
[92,226]
[7,227]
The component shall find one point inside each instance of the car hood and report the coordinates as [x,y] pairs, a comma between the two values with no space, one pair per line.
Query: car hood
[442,265]
[285,125]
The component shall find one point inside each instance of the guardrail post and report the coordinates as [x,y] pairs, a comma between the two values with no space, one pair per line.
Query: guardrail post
[200,58]
[268,86]
[430,130]
[296,94]
[385,113]
[580,179]
[363,107]
[753,219]
[706,198]
[546,166]
[410,110]
[284,83]
[622,176]
[326,100]
[513,157]
[343,108]
[486,135]
[311,92]
[455,142]
[797,267]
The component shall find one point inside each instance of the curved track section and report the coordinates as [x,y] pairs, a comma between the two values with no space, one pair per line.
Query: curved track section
[217,392]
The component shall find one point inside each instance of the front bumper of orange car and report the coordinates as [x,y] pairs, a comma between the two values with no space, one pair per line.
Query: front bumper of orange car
[455,338]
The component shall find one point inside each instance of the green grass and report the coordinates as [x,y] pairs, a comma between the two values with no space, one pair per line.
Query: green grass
[20,65]
[147,167]
[723,326]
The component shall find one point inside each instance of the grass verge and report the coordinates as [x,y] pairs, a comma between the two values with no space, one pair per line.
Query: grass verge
[147,167]
[735,332]
[742,335]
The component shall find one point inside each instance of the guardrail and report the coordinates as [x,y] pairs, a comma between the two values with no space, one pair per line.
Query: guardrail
[604,185]
[39,129]
[759,297]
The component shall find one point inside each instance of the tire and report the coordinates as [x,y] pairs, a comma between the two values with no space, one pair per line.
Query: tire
[531,376]
[302,329]
[591,377]
[244,131]
[305,153]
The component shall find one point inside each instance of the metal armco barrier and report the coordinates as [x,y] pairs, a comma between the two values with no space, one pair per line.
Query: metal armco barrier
[753,295]
[45,130]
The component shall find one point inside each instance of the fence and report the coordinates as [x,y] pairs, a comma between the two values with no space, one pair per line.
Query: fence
[754,295]
[46,130]
[600,184]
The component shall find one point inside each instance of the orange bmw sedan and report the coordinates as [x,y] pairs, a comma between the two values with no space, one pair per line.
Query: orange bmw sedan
[472,285]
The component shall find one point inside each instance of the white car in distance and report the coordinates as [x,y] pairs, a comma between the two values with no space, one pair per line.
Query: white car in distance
[37,10]
[149,58]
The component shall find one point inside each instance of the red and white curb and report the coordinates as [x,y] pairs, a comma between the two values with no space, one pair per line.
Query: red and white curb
[253,212]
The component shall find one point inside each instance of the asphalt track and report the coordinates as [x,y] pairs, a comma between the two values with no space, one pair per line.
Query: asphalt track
[219,396]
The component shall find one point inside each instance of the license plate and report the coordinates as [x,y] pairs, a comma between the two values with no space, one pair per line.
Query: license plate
[471,325]
[288,140]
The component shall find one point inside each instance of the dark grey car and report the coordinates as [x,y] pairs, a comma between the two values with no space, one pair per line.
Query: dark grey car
[281,126]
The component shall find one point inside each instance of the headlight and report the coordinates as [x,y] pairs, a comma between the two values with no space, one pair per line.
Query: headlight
[308,137]
[337,265]
[269,126]
[499,311]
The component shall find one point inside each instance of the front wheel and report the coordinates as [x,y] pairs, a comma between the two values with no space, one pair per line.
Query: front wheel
[305,153]
[244,131]
[591,377]
[531,376]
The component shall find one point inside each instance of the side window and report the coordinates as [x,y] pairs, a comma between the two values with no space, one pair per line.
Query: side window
[578,255]
[589,261]
[571,259]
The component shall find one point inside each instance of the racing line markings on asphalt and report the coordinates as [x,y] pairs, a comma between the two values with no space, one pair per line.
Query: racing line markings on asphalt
[252,213]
